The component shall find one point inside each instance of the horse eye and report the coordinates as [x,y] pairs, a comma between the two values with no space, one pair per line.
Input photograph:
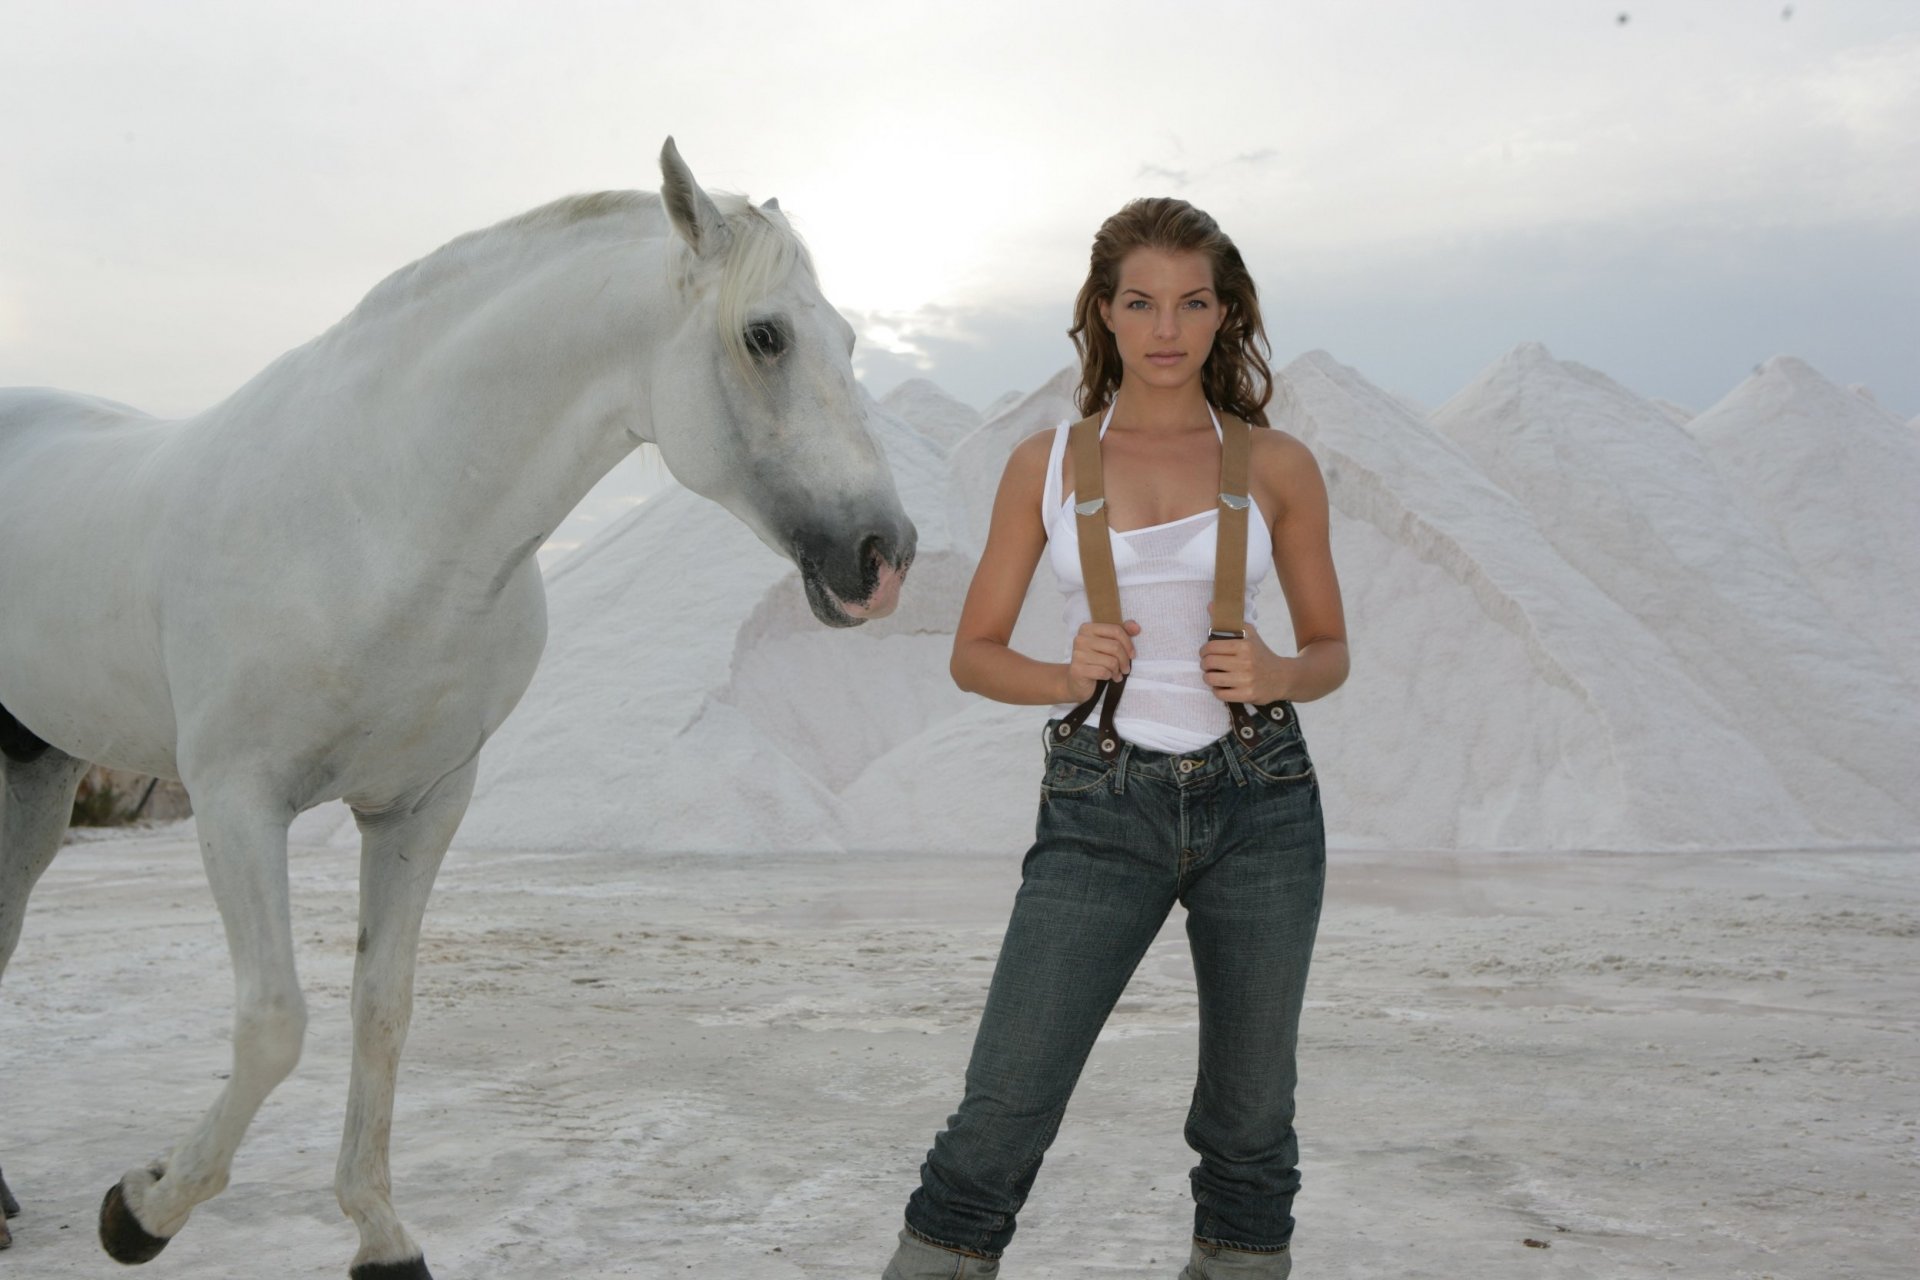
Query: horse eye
[765,340]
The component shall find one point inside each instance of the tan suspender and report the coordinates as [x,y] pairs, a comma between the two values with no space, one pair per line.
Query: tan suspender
[1103,585]
[1230,550]
[1090,514]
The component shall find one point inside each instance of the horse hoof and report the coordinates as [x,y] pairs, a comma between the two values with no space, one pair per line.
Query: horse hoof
[8,1205]
[6,1236]
[121,1234]
[411,1269]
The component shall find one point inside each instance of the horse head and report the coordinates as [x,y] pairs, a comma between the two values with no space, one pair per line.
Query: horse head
[754,403]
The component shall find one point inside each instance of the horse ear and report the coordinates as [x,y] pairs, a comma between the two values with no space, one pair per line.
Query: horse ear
[692,211]
[772,204]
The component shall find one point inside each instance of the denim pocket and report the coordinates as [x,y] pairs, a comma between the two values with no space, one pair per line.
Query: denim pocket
[1070,774]
[1281,756]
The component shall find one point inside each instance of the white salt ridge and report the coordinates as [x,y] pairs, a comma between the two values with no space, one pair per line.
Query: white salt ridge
[1500,699]
[1678,412]
[1836,479]
[1411,405]
[1631,501]
[981,458]
[1001,403]
[931,411]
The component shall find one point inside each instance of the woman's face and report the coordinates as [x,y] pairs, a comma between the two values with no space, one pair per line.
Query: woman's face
[1163,315]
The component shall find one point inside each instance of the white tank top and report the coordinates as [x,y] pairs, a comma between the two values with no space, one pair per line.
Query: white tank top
[1165,573]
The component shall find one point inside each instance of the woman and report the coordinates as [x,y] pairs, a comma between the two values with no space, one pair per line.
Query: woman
[1176,807]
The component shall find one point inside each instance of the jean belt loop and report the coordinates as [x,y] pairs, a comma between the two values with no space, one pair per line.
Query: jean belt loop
[1120,768]
[1230,750]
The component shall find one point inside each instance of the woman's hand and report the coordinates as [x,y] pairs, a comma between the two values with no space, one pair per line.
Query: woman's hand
[1246,670]
[1101,651]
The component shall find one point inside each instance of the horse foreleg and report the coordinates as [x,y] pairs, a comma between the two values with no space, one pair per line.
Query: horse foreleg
[243,842]
[36,800]
[400,852]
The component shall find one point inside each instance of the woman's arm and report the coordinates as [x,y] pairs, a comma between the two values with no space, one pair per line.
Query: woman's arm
[983,662]
[1247,670]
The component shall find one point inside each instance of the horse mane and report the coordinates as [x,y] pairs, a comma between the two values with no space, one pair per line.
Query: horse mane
[764,251]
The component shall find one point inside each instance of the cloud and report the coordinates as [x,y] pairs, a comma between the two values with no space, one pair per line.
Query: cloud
[189,197]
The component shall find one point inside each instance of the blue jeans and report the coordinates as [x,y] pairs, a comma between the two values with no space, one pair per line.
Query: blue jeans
[1235,834]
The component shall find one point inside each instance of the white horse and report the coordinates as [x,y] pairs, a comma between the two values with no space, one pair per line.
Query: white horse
[325,586]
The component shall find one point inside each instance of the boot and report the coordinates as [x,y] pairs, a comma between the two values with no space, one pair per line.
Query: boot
[1215,1262]
[915,1259]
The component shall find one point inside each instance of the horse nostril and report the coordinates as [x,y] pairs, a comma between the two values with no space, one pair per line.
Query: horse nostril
[872,560]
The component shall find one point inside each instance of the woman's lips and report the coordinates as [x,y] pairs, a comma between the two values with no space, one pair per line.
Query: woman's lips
[1170,357]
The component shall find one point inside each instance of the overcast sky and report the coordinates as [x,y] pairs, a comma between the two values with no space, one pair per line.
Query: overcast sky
[1670,192]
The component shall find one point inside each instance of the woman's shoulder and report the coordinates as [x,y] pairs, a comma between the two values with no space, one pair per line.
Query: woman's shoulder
[1283,466]
[1276,448]
[1033,451]
[1026,469]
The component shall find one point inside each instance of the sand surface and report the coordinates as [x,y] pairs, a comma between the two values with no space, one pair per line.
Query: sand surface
[646,1065]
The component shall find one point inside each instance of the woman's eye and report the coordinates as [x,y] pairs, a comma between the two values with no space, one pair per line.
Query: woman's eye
[765,340]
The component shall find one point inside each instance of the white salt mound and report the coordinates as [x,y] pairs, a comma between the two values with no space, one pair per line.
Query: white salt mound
[981,459]
[1001,403]
[1499,699]
[1631,501]
[1836,480]
[1411,405]
[689,701]
[1538,663]
[932,412]
[1678,412]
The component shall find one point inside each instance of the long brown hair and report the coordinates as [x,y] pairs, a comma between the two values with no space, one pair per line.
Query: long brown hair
[1235,378]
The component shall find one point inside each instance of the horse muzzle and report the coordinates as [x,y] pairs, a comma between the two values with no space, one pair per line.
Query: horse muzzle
[845,590]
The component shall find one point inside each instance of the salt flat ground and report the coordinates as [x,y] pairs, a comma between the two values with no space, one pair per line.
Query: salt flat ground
[1675,1066]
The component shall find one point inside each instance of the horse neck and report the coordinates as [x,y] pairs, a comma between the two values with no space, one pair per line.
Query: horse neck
[476,414]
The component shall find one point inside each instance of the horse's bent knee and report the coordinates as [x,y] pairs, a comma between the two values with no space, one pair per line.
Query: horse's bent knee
[268,1034]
